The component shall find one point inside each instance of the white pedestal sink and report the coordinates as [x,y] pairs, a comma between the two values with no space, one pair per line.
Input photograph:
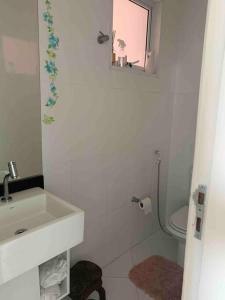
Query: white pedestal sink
[49,227]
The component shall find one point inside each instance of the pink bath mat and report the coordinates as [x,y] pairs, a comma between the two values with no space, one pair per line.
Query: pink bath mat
[160,278]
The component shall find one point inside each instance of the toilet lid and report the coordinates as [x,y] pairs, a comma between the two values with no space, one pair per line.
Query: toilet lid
[180,218]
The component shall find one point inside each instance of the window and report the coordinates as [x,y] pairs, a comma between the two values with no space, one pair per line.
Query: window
[133,34]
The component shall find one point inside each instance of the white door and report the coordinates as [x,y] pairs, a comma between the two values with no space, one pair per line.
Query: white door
[204,276]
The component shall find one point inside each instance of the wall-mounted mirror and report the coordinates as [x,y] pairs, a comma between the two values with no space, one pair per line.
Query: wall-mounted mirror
[20,119]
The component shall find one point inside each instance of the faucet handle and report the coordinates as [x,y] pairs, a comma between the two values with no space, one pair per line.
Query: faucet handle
[12,169]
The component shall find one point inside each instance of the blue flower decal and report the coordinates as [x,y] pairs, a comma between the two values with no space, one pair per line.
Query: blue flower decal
[51,102]
[48,18]
[53,41]
[50,63]
[51,68]
[53,89]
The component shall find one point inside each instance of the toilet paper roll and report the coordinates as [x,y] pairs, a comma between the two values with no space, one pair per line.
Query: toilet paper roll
[146,205]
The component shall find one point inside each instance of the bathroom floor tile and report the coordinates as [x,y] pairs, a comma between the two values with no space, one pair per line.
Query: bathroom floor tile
[115,275]
[119,267]
[157,244]
[119,288]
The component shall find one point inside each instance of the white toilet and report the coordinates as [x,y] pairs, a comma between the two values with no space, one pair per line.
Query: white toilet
[177,225]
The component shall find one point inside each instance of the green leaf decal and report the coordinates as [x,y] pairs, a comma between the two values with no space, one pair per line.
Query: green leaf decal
[48,120]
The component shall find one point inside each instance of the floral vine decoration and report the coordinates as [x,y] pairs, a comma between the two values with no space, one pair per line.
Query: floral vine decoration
[50,63]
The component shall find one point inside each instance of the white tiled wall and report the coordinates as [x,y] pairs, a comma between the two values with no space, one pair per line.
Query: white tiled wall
[190,46]
[99,152]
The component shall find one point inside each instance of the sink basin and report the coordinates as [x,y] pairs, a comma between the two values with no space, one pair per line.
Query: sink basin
[35,227]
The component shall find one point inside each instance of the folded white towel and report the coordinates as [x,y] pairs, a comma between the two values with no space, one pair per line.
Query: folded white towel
[50,293]
[53,272]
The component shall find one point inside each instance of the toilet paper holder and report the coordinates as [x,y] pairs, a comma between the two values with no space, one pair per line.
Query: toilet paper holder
[144,204]
[135,200]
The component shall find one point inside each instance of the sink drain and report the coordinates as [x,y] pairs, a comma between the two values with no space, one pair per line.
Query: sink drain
[19,231]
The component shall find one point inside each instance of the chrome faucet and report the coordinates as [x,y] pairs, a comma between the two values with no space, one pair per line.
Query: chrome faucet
[13,174]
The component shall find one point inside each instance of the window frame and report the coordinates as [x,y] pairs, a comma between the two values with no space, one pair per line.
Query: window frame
[152,44]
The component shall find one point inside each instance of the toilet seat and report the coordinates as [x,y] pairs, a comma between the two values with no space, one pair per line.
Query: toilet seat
[178,222]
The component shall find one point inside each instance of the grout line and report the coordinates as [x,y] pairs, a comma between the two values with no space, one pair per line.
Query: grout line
[121,277]
[137,295]
[133,246]
[132,258]
[130,252]
[115,259]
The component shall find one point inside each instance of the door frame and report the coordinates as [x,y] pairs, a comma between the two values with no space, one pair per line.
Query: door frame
[208,137]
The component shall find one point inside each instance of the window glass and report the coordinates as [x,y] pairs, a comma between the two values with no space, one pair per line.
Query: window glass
[130,27]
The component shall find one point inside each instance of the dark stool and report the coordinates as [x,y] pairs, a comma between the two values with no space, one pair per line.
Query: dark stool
[85,278]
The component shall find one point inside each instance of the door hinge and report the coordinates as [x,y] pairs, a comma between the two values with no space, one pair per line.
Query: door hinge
[199,197]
